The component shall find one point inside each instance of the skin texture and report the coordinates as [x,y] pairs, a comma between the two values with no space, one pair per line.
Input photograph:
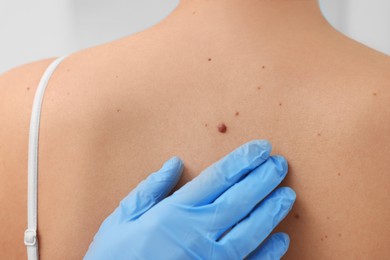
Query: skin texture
[114,113]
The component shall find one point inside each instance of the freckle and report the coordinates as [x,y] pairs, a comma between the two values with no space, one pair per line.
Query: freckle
[319,134]
[339,234]
[322,239]
[194,12]
[259,87]
[327,217]
[116,76]
[118,110]
[209,59]
[222,128]
[374,93]
[237,113]
[326,236]
[296,215]
[280,104]
[339,174]
[67,70]
[28,88]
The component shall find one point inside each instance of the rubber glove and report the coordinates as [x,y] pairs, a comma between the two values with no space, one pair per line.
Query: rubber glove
[217,215]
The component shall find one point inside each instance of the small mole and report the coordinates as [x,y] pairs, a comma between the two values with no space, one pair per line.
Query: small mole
[296,215]
[194,12]
[118,110]
[339,174]
[263,67]
[116,76]
[319,134]
[327,217]
[322,239]
[280,103]
[205,125]
[237,113]
[209,59]
[222,128]
[28,88]
[339,234]
[326,236]
[374,93]
[259,87]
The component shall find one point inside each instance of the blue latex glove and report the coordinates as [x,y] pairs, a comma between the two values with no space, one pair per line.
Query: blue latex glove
[192,222]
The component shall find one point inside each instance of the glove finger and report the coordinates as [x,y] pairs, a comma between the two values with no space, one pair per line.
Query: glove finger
[250,232]
[271,249]
[151,190]
[240,199]
[218,177]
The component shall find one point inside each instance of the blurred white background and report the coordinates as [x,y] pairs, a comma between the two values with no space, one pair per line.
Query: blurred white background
[33,30]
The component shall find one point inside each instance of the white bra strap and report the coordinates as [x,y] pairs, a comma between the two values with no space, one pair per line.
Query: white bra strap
[30,235]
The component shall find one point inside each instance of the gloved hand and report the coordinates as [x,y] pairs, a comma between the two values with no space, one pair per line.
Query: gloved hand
[193,222]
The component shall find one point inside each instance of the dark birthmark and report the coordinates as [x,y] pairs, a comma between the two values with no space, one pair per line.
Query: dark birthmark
[209,59]
[237,113]
[222,128]
[296,215]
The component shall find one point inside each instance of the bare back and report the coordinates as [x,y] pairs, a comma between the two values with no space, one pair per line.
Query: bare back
[114,113]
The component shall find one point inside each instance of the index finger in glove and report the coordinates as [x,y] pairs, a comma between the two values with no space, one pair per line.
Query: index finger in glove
[218,177]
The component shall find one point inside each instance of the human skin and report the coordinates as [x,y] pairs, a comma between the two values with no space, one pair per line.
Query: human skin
[112,114]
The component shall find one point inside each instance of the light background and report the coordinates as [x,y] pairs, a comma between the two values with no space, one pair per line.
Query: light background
[33,30]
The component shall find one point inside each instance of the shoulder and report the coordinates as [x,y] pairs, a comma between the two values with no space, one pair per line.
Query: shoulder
[17,89]
[25,74]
